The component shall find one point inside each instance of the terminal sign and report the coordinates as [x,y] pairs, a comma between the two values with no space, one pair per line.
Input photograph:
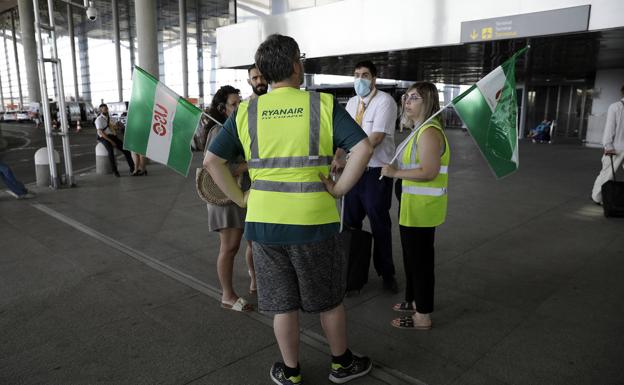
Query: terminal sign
[564,20]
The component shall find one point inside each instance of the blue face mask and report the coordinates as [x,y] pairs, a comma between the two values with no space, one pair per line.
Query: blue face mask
[362,87]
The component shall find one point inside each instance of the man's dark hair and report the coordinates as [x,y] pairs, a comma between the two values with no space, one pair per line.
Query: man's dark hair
[102,105]
[251,67]
[275,57]
[367,64]
[219,100]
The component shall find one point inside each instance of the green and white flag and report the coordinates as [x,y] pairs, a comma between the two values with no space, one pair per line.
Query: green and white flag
[488,109]
[160,123]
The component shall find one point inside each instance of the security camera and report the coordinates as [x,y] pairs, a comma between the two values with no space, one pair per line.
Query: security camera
[91,12]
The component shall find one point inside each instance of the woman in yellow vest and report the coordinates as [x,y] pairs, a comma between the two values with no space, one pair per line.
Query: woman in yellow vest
[423,169]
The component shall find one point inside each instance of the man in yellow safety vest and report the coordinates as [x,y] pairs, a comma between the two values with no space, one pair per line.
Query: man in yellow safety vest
[288,138]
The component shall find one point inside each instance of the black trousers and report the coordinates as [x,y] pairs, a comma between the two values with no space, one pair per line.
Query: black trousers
[373,197]
[111,151]
[418,256]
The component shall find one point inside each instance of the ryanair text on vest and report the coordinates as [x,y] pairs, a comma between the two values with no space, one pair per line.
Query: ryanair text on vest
[282,113]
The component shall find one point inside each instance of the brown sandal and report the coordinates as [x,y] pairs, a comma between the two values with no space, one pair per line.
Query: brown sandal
[408,323]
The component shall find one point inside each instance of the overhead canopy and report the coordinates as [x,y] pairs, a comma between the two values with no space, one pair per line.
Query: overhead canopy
[421,40]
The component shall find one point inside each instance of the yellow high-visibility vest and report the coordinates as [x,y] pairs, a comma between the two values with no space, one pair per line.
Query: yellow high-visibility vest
[424,204]
[287,137]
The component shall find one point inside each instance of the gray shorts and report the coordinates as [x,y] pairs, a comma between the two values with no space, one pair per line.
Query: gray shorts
[309,276]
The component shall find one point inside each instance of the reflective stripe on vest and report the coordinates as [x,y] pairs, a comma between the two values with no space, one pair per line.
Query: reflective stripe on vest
[430,191]
[290,162]
[312,160]
[403,166]
[284,169]
[424,203]
[290,187]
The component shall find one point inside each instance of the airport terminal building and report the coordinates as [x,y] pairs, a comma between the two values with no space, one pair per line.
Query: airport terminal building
[570,75]
[115,280]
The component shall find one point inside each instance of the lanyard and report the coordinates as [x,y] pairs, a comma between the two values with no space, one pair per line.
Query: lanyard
[363,105]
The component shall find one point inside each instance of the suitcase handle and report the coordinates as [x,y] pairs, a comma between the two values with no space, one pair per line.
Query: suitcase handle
[612,168]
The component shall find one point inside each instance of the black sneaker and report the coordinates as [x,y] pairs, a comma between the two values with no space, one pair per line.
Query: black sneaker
[360,366]
[278,376]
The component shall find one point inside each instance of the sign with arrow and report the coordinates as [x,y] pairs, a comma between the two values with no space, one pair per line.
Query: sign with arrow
[563,20]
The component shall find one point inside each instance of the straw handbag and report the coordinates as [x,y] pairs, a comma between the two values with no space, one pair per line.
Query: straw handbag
[208,190]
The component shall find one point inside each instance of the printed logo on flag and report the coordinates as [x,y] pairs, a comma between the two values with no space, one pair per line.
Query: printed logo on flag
[163,114]
[491,86]
[160,119]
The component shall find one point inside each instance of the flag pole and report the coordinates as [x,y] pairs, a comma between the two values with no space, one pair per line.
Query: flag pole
[404,142]
[211,118]
[411,135]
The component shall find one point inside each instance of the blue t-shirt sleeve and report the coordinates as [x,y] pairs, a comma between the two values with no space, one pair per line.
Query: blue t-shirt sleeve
[347,133]
[226,144]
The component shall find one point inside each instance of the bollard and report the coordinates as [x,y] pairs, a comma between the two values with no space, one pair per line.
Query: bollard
[42,166]
[102,164]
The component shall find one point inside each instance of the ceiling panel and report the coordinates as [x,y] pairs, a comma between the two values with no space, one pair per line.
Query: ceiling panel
[564,58]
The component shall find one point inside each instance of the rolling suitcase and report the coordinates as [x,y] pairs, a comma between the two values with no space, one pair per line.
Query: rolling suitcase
[613,196]
[360,243]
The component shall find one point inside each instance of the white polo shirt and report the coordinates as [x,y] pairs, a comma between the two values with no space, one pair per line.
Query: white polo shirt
[101,123]
[379,116]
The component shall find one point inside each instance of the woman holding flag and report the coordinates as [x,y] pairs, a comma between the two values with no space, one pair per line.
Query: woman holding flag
[423,169]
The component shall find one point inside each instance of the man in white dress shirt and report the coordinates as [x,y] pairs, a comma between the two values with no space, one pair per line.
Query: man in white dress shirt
[376,112]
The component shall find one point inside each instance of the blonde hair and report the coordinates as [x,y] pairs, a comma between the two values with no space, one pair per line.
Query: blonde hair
[430,100]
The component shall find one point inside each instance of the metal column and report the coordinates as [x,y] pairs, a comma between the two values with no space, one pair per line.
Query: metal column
[212,88]
[83,50]
[8,68]
[183,47]
[17,68]
[25,8]
[232,8]
[117,50]
[200,52]
[147,44]
[72,46]
[58,77]
[1,94]
[45,104]
[130,39]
